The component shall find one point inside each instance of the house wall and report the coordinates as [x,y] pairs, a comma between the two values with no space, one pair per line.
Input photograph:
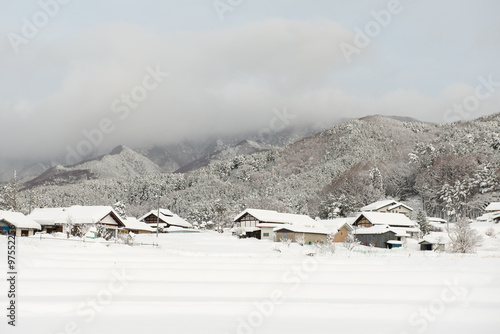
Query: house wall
[363,222]
[269,230]
[401,209]
[247,220]
[341,235]
[378,240]
[27,232]
[385,208]
[151,220]
[308,237]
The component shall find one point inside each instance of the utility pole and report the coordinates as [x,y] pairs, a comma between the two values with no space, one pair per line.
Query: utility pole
[158,218]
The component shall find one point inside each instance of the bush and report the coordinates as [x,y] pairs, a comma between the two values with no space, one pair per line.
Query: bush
[464,239]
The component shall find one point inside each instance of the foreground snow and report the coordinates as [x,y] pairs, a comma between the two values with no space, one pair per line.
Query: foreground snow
[211,283]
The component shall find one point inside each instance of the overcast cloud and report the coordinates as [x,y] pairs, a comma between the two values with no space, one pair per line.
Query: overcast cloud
[227,76]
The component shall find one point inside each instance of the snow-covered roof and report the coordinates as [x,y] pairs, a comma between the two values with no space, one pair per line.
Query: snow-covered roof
[77,213]
[395,242]
[382,204]
[168,217]
[302,229]
[392,219]
[377,229]
[271,216]
[398,205]
[269,225]
[378,205]
[436,220]
[19,220]
[488,217]
[133,223]
[493,206]
[333,225]
[436,238]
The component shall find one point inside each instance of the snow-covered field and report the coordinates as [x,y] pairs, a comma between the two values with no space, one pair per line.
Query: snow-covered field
[212,283]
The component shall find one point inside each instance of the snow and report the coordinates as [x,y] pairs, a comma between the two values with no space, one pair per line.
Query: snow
[79,214]
[333,225]
[271,216]
[392,219]
[168,217]
[134,224]
[19,220]
[378,205]
[493,206]
[302,229]
[215,283]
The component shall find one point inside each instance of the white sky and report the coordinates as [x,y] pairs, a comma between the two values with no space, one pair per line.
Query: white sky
[228,75]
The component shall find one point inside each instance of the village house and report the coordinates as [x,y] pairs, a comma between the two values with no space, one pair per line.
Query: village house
[381,236]
[135,226]
[168,222]
[339,228]
[64,220]
[492,213]
[435,242]
[388,206]
[15,223]
[398,222]
[292,232]
[493,207]
[260,224]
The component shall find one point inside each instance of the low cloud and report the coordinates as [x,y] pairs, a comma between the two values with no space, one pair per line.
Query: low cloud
[220,82]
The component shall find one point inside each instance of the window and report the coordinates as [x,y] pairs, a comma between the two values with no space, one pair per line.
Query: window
[266,234]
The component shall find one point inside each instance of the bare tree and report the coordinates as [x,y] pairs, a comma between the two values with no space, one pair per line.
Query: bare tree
[301,239]
[464,239]
[285,241]
[350,242]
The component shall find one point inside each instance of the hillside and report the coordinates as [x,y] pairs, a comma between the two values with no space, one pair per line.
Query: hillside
[346,166]
[122,162]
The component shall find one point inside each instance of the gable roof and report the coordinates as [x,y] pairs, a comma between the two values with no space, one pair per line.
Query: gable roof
[19,220]
[79,214]
[493,206]
[168,217]
[334,225]
[382,204]
[302,229]
[378,205]
[391,219]
[377,229]
[397,205]
[271,216]
[133,223]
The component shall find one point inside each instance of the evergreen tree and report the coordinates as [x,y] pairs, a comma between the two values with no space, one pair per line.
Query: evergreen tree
[425,227]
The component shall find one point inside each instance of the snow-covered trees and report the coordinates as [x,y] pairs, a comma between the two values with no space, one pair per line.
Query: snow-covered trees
[422,221]
[350,242]
[464,239]
[9,199]
[121,209]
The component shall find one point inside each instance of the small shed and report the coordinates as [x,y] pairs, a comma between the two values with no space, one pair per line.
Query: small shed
[381,236]
[15,223]
[133,225]
[292,232]
[426,245]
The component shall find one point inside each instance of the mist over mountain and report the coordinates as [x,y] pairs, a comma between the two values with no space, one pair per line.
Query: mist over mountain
[348,165]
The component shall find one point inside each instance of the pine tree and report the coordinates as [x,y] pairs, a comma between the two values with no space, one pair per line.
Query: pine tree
[425,227]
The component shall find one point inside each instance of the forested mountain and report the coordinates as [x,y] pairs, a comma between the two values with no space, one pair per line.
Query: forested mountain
[452,169]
